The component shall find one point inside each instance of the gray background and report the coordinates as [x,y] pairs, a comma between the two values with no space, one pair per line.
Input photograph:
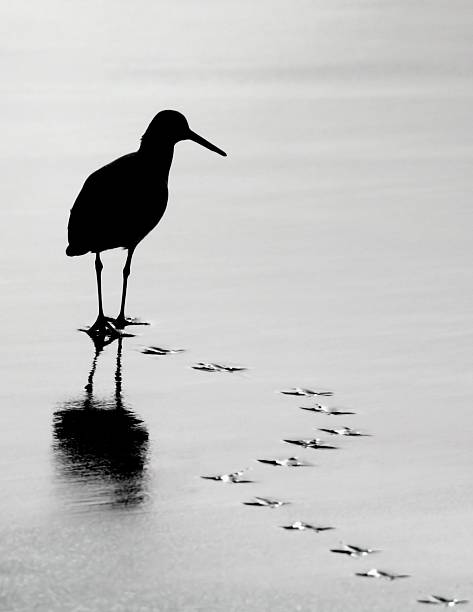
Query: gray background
[331,248]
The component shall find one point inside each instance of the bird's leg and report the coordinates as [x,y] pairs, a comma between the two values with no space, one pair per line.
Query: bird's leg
[121,321]
[101,326]
[98,272]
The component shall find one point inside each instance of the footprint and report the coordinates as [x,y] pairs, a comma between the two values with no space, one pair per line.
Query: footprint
[216,367]
[157,350]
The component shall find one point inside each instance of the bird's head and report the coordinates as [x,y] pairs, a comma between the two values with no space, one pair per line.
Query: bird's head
[170,126]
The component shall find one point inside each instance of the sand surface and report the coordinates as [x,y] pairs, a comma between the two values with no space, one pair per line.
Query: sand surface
[331,249]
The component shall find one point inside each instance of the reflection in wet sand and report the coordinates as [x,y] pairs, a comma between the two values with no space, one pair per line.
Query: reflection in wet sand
[101,446]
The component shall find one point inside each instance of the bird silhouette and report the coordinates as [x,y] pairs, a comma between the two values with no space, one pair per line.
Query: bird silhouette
[120,203]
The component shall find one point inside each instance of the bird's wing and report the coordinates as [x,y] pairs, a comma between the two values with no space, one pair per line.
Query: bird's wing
[116,207]
[94,204]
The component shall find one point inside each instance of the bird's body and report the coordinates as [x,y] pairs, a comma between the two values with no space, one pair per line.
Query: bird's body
[120,203]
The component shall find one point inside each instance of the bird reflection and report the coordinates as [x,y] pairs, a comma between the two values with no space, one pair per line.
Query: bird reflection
[100,445]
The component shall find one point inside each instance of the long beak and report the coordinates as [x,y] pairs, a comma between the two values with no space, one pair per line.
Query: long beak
[205,143]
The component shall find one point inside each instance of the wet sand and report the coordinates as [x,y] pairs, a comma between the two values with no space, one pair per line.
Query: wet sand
[330,249]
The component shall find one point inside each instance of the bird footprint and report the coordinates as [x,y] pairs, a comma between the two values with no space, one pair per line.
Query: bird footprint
[216,367]
[157,350]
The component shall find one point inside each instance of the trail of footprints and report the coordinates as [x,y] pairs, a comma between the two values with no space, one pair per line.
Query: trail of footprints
[239,477]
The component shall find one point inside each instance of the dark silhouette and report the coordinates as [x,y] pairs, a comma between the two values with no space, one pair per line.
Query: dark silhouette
[101,441]
[122,202]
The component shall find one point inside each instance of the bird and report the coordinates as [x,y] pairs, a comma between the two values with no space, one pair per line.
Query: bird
[328,411]
[233,477]
[289,462]
[120,203]
[354,551]
[443,601]
[305,392]
[344,431]
[311,443]
[375,573]
[301,526]
[265,501]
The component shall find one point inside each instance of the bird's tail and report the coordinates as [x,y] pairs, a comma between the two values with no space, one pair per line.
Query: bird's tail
[73,251]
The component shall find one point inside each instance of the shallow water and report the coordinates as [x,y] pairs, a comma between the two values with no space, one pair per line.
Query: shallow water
[331,248]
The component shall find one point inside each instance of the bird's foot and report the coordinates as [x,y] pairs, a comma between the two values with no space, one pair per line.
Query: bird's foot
[105,330]
[120,322]
[102,327]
